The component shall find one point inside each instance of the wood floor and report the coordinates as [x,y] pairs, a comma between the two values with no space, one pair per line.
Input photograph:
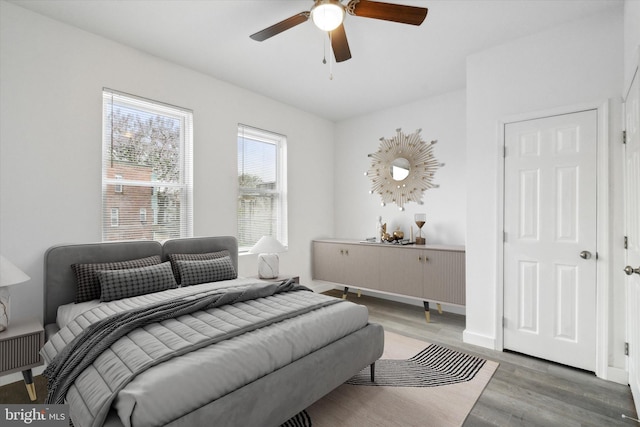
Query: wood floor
[524,391]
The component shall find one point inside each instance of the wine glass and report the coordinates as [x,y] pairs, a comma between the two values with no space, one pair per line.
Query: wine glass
[420,219]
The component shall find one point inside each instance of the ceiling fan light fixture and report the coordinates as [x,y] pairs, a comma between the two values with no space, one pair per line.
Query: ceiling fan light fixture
[327,14]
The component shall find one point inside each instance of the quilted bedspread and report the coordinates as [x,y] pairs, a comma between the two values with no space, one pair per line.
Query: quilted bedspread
[163,370]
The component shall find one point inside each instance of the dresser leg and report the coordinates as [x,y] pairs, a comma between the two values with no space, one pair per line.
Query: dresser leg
[28,382]
[427,313]
[373,371]
[345,292]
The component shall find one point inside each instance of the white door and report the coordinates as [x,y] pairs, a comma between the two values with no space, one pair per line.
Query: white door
[550,238]
[632,225]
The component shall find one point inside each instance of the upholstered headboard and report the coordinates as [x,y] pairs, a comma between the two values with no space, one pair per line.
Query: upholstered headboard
[199,245]
[60,282]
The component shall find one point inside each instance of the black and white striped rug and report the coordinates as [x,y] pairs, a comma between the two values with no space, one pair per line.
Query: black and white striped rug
[432,367]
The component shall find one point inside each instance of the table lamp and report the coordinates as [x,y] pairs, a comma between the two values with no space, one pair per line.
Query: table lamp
[268,260]
[9,275]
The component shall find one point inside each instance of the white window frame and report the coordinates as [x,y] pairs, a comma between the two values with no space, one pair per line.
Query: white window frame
[280,141]
[185,183]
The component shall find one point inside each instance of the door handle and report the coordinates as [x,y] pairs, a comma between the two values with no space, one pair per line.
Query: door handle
[585,254]
[630,270]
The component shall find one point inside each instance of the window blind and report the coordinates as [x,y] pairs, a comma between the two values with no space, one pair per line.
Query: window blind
[262,187]
[147,178]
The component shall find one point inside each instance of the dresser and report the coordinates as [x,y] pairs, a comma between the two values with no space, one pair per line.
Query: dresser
[431,273]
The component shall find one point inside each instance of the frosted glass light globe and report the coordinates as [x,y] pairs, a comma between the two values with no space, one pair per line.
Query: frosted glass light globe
[327,15]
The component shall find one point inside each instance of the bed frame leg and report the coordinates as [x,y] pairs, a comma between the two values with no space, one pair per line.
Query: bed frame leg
[427,313]
[439,308]
[373,371]
[345,292]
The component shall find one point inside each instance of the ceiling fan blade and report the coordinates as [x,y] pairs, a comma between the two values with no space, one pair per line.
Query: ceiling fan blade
[387,11]
[340,45]
[280,26]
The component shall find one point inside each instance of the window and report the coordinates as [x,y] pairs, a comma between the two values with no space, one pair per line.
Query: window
[115,217]
[118,186]
[146,167]
[262,186]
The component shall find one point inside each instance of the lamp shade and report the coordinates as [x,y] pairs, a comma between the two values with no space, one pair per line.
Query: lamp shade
[10,274]
[267,245]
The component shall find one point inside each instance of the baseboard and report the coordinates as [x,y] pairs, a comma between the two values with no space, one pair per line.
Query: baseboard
[617,375]
[478,339]
[413,301]
[17,376]
[320,286]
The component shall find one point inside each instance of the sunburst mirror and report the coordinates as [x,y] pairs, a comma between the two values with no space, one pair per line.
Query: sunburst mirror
[402,169]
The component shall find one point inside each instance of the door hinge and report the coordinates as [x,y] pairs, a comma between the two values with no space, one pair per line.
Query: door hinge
[624,136]
[626,242]
[626,349]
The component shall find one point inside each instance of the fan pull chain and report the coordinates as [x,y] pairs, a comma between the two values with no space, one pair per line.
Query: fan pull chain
[331,57]
[324,54]
[324,50]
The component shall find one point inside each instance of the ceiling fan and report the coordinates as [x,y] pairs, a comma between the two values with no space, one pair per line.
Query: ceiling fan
[328,15]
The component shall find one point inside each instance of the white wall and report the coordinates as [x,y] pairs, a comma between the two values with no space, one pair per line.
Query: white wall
[356,211]
[576,63]
[50,145]
[631,40]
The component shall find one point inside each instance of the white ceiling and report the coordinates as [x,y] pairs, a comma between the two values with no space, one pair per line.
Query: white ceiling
[392,63]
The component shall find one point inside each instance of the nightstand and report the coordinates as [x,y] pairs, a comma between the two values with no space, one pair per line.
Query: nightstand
[280,278]
[20,348]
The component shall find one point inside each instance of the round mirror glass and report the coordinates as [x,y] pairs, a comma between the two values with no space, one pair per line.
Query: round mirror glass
[400,169]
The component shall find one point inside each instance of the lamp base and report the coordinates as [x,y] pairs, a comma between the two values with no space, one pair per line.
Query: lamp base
[268,266]
[4,308]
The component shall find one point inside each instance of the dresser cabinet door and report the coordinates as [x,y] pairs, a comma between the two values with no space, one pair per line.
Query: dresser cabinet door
[444,276]
[346,264]
[361,266]
[401,271]
[327,262]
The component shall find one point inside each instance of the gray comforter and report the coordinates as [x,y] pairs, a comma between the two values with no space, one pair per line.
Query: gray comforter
[252,337]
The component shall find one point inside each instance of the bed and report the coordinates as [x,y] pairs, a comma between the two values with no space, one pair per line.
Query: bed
[255,361]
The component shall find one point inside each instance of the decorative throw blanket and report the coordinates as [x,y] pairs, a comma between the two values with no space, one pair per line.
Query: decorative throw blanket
[88,346]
